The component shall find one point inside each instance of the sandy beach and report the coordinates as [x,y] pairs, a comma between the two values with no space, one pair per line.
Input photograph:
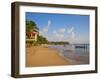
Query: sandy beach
[43,56]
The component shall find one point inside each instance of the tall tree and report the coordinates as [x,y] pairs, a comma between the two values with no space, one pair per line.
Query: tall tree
[41,40]
[31,26]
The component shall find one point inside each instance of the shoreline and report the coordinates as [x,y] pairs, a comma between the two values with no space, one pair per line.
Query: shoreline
[44,56]
[76,57]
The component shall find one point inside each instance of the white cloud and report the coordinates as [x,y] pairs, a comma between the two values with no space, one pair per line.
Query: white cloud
[70,29]
[64,35]
[82,39]
[49,22]
[57,36]
[62,30]
[54,32]
[45,29]
[71,33]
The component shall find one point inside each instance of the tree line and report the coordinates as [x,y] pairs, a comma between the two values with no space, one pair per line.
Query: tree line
[58,43]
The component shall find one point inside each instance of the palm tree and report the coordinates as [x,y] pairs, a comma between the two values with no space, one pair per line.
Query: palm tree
[31,26]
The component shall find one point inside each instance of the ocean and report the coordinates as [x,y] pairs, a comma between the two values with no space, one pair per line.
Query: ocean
[76,53]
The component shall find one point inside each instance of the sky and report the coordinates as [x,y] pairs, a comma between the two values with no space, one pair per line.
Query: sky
[62,27]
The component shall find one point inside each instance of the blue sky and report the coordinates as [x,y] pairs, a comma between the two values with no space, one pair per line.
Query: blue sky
[62,27]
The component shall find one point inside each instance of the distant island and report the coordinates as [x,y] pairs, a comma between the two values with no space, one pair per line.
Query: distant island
[58,43]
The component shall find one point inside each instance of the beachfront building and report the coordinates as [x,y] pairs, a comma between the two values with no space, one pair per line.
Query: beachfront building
[31,36]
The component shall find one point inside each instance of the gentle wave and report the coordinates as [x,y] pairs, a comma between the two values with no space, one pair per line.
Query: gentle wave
[77,55]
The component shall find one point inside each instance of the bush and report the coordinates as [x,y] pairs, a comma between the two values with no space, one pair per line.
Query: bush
[30,43]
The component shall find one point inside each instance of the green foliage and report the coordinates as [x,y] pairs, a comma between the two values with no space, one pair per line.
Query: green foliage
[41,40]
[31,26]
[58,43]
[31,42]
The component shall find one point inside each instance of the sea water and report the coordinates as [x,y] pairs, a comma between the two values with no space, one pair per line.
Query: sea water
[76,55]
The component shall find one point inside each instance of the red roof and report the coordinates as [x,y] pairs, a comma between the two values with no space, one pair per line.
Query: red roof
[33,33]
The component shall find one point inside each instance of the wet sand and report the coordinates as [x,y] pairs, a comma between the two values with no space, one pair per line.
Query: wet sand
[43,56]
[76,56]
